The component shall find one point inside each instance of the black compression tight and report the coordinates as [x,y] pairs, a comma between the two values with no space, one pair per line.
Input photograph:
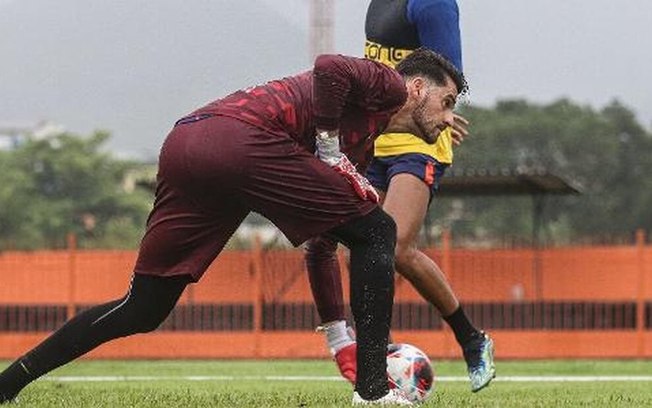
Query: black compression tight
[149,301]
[371,240]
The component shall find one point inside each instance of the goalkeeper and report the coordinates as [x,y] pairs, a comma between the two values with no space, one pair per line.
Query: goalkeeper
[281,149]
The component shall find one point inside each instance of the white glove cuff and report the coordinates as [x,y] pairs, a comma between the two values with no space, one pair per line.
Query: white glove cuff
[327,143]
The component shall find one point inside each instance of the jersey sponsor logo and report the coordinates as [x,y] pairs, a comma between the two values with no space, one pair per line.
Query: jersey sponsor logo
[387,55]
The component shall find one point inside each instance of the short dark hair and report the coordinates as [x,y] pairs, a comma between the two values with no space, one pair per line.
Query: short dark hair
[426,62]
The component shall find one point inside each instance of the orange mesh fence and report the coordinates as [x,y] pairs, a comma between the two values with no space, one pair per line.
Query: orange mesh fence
[560,302]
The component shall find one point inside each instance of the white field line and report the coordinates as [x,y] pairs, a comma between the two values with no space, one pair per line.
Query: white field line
[518,378]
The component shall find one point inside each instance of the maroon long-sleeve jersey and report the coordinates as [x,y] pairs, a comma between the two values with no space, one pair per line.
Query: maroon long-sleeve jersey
[354,95]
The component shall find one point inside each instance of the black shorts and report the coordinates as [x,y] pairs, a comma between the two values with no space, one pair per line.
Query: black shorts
[424,167]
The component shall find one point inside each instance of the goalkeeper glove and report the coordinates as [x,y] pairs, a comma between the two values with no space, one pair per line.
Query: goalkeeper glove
[328,150]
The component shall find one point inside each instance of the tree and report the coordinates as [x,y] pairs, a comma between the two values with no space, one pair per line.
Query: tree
[606,153]
[67,184]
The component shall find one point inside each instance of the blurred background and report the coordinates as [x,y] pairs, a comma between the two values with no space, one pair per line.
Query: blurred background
[548,206]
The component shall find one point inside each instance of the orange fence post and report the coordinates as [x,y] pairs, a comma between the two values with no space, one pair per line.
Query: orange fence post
[72,275]
[640,293]
[257,295]
[446,253]
[447,268]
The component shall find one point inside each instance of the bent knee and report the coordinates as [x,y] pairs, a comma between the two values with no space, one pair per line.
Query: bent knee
[405,255]
[376,228]
[385,226]
[145,319]
[150,325]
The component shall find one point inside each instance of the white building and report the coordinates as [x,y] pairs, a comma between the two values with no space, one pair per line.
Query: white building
[13,135]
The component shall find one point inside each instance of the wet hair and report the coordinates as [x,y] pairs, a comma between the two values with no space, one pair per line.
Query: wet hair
[434,66]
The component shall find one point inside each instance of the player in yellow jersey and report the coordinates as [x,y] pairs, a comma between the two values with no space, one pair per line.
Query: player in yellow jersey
[406,170]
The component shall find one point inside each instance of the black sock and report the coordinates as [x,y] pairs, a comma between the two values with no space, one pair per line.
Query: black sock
[13,379]
[462,327]
[371,239]
[149,300]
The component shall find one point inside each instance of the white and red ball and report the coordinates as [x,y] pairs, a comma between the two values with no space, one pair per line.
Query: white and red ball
[410,370]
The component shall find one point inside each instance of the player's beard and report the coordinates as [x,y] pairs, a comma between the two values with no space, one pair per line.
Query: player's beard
[427,127]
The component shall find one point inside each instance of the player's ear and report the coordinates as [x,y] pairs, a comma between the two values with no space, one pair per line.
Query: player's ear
[417,85]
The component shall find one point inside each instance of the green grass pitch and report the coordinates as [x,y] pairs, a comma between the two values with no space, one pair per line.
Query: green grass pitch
[313,383]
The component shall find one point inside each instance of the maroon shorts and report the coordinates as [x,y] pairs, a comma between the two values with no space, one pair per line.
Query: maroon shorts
[213,172]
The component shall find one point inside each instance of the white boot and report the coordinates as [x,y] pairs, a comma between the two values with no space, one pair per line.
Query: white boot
[393,397]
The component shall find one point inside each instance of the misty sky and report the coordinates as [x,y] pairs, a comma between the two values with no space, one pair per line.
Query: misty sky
[134,67]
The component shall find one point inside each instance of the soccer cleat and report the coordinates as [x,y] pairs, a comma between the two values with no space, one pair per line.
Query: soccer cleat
[479,356]
[345,357]
[393,397]
[346,362]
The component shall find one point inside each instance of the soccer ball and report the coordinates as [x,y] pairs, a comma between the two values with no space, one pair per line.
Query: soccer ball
[409,369]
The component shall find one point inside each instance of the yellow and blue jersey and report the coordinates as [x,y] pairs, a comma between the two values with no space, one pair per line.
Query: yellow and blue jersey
[394,28]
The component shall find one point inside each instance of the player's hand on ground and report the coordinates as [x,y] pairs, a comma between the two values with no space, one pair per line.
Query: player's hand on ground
[459,129]
[346,362]
[360,184]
